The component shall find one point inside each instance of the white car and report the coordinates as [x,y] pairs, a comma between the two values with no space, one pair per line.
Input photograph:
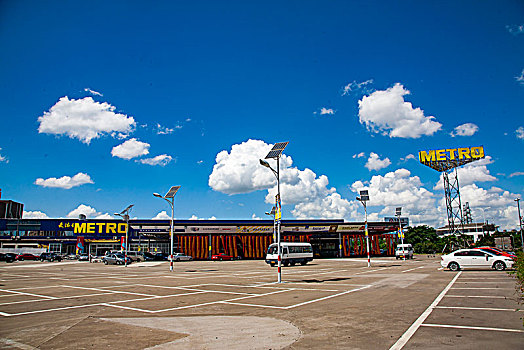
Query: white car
[181,257]
[404,251]
[476,259]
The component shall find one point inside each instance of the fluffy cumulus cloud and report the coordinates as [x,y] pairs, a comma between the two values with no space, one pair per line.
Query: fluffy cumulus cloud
[34,215]
[239,171]
[468,129]
[520,133]
[375,163]
[85,119]
[89,212]
[162,216]
[388,113]
[131,148]
[399,189]
[471,173]
[65,182]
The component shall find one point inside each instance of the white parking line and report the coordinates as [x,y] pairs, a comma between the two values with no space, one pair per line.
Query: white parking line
[477,308]
[477,288]
[328,297]
[475,328]
[359,273]
[413,269]
[23,293]
[476,296]
[399,344]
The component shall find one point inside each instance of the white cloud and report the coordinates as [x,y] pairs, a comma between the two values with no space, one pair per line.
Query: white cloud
[520,78]
[194,217]
[255,217]
[358,88]
[467,129]
[328,111]
[131,148]
[3,158]
[162,216]
[388,113]
[65,182]
[93,92]
[200,162]
[164,130]
[359,155]
[471,173]
[89,212]
[375,163]
[239,171]
[518,173]
[520,133]
[515,29]
[408,157]
[85,119]
[34,215]
[161,160]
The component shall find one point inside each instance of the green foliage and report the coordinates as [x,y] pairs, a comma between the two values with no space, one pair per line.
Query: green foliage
[424,239]
[518,272]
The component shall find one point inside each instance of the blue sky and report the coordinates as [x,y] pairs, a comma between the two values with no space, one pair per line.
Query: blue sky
[104,103]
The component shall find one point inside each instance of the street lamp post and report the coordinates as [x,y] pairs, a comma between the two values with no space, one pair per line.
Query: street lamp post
[398,212]
[520,223]
[170,195]
[124,214]
[275,153]
[364,197]
[273,214]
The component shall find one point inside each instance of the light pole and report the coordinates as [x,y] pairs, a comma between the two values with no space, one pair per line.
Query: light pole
[364,197]
[124,214]
[520,223]
[170,195]
[398,212]
[273,213]
[275,153]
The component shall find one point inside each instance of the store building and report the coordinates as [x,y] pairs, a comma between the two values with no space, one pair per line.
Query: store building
[246,239]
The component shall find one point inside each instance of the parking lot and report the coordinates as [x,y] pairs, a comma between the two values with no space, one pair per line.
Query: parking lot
[338,303]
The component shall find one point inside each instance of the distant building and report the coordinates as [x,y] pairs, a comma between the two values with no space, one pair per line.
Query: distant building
[475,230]
[10,209]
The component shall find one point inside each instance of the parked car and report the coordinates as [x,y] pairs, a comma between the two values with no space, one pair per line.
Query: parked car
[155,256]
[116,259]
[83,257]
[475,258]
[404,251]
[26,256]
[70,256]
[182,257]
[221,257]
[8,257]
[50,257]
[496,251]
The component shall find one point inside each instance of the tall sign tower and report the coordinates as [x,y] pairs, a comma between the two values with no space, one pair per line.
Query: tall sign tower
[446,161]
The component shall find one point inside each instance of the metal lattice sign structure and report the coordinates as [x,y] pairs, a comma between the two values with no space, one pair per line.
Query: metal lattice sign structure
[447,161]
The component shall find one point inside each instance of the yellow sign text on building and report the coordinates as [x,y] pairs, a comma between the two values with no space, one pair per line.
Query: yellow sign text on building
[99,227]
[462,153]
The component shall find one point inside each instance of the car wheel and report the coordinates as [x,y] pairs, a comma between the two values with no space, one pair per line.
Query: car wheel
[454,266]
[177,259]
[303,263]
[105,262]
[220,259]
[285,263]
[42,259]
[21,259]
[499,266]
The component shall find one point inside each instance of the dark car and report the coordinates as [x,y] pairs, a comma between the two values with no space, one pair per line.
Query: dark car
[26,256]
[117,259]
[8,257]
[50,257]
[155,256]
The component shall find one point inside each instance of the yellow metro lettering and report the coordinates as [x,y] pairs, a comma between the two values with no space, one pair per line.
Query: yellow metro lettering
[100,225]
[424,156]
[121,228]
[463,153]
[79,228]
[91,228]
[477,152]
[111,227]
[451,153]
[440,154]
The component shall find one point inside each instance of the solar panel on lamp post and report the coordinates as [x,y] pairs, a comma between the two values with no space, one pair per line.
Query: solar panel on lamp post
[124,214]
[170,195]
[364,197]
[398,212]
[275,153]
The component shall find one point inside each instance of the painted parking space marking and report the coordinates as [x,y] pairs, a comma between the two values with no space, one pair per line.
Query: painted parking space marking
[477,308]
[476,296]
[419,267]
[24,293]
[399,344]
[473,327]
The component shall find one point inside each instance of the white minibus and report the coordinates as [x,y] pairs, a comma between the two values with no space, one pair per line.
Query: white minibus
[292,253]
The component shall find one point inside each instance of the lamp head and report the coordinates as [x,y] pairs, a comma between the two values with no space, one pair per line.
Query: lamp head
[157,195]
[264,163]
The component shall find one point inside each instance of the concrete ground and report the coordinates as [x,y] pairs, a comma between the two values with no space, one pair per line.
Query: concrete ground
[339,303]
